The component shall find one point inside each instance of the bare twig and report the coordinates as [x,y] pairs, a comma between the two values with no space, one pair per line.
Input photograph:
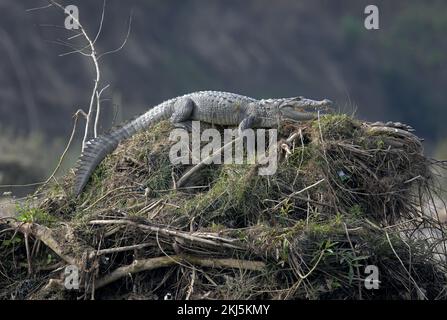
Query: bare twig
[191,284]
[98,109]
[166,261]
[420,292]
[93,55]
[169,232]
[202,163]
[39,8]
[123,43]
[28,255]
[355,256]
[45,235]
[89,50]
[122,249]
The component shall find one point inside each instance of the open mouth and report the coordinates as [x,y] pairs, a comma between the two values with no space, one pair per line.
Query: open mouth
[308,109]
[314,107]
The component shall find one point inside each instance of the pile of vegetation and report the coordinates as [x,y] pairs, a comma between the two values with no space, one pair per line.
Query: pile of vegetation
[344,203]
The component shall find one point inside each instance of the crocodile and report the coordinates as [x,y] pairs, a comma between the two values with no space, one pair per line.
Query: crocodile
[213,107]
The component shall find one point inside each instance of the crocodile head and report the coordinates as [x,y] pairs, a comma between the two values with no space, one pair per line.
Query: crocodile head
[300,108]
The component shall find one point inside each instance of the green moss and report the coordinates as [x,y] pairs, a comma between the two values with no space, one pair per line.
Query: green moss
[15,240]
[336,126]
[325,226]
[356,211]
[157,133]
[373,140]
[301,155]
[320,228]
[29,214]
[98,175]
[238,193]
[161,177]
[380,144]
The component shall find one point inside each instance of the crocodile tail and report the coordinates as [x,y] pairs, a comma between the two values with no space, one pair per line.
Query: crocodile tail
[94,152]
[97,149]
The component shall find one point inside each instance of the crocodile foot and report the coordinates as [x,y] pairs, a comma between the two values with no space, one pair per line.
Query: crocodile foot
[397,125]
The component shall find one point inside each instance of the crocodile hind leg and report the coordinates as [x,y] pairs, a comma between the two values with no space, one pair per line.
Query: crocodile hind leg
[186,125]
[181,118]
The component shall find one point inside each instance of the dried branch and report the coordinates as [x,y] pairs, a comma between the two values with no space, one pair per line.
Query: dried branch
[89,50]
[166,261]
[181,182]
[93,56]
[98,109]
[226,243]
[45,235]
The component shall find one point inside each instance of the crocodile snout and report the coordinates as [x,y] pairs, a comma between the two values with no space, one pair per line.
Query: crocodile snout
[327,103]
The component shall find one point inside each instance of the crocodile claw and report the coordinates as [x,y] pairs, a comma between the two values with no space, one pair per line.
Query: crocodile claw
[391,124]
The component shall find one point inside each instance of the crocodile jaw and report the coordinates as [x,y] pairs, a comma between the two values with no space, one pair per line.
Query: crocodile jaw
[306,109]
[309,105]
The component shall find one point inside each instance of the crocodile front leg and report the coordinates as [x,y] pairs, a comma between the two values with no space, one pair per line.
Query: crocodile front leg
[247,123]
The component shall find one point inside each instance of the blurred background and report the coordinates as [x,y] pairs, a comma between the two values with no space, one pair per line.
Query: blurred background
[260,48]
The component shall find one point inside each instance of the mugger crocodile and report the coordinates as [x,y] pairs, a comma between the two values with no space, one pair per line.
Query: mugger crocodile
[214,107]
